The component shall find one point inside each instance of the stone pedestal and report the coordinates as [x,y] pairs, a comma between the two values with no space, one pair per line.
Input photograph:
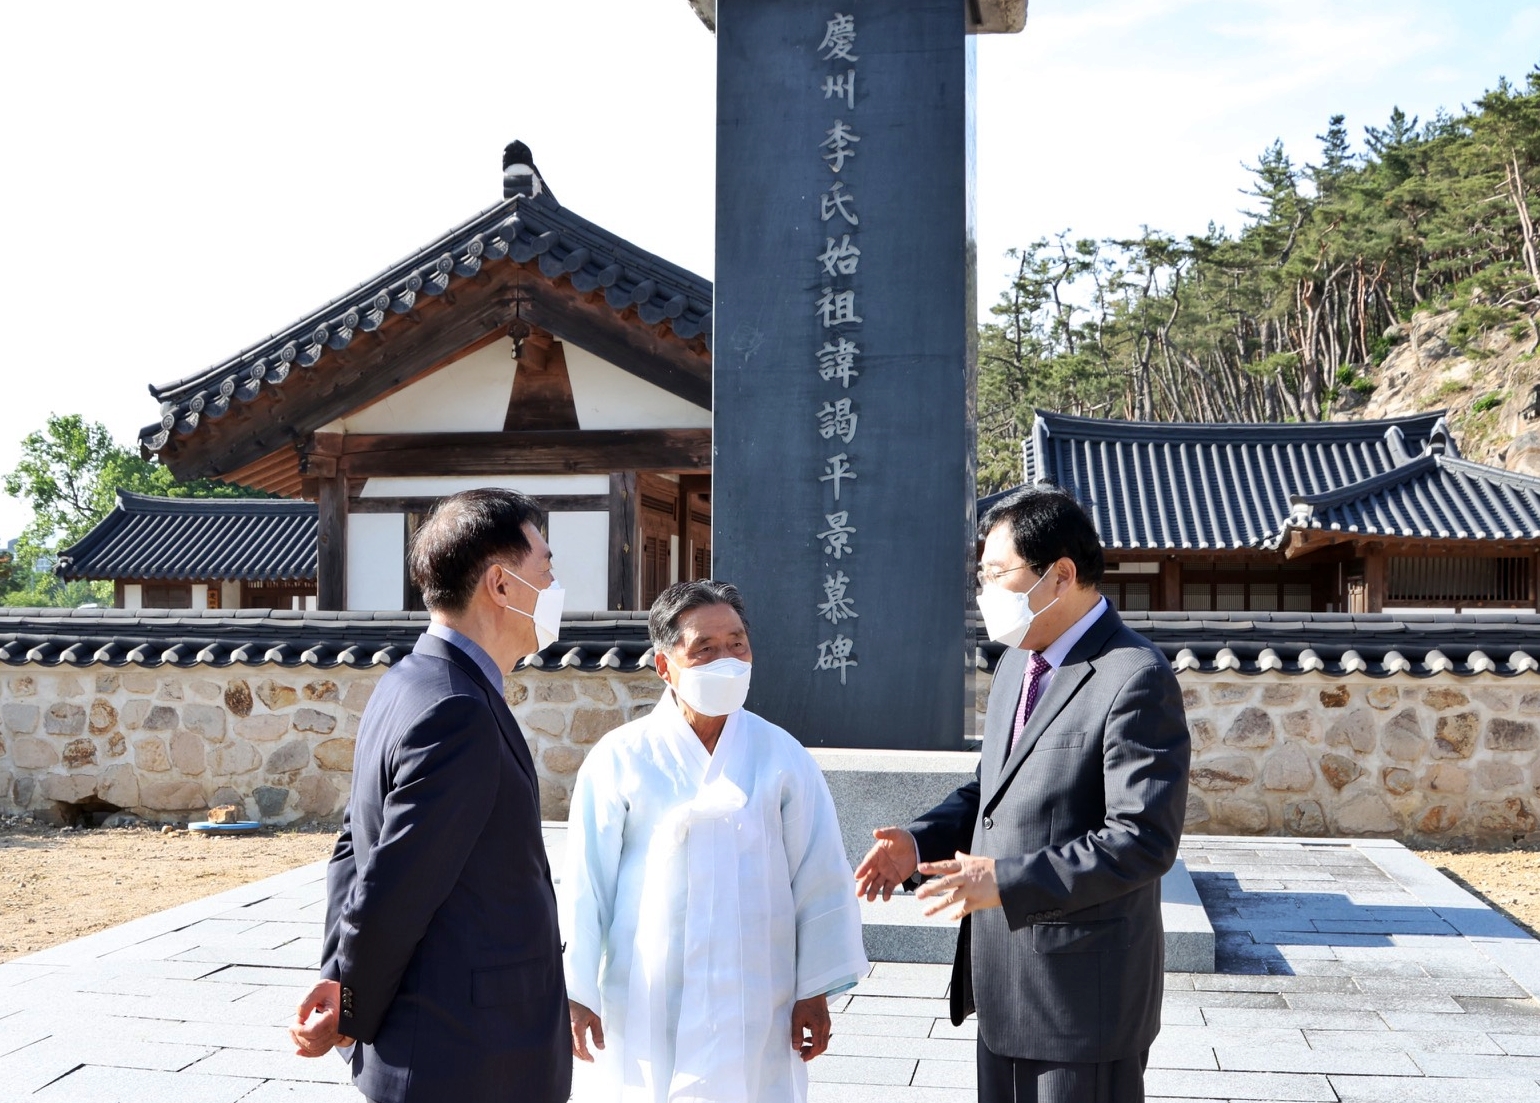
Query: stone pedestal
[877,788]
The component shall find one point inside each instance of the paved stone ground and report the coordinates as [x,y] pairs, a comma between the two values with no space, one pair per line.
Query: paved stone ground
[1347,972]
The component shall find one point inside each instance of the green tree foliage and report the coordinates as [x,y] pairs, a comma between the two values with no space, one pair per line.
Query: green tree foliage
[1288,318]
[70,473]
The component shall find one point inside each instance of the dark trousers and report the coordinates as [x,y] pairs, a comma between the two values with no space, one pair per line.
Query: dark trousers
[1022,1080]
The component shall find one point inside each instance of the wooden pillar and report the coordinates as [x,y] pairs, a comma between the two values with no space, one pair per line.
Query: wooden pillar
[1170,598]
[322,463]
[625,560]
[1374,578]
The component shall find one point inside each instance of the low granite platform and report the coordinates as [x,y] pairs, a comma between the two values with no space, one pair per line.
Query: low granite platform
[874,789]
[1346,972]
[898,930]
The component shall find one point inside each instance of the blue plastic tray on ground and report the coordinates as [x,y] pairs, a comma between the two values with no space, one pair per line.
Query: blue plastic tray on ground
[226,828]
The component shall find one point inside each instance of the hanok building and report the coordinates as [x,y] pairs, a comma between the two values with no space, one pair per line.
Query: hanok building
[200,553]
[526,348]
[1343,516]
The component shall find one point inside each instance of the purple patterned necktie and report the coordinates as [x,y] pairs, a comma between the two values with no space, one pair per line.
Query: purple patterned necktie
[1036,668]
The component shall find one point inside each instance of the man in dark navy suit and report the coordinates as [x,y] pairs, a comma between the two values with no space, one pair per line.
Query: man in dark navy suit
[442,959]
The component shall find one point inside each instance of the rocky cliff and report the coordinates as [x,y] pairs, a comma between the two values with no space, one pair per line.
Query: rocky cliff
[1485,386]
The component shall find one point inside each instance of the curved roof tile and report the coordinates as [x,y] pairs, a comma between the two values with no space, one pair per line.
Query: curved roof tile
[1157,485]
[196,540]
[523,228]
[1333,645]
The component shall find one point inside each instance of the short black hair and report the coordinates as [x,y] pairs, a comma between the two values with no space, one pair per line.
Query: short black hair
[1048,525]
[673,603]
[464,533]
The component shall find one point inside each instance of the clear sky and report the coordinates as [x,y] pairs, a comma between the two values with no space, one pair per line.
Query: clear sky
[182,179]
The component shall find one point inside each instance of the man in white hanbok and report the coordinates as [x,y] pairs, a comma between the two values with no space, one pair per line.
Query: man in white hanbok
[706,900]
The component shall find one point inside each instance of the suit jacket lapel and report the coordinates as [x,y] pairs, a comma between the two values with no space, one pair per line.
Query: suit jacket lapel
[432,645]
[1000,716]
[1067,680]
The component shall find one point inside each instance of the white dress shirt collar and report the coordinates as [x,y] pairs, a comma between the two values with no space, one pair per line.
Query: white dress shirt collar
[1056,652]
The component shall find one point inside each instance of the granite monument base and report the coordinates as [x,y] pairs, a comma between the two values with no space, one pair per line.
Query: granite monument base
[873,789]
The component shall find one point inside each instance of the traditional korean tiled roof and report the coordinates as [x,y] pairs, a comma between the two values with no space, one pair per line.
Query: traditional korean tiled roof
[521,229]
[1434,496]
[197,540]
[1326,644]
[1334,645]
[1154,486]
[595,642]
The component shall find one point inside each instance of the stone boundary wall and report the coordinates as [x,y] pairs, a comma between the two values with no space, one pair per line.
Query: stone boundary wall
[1440,759]
[1423,760]
[168,744]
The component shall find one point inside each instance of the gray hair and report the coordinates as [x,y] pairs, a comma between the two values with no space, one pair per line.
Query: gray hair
[673,603]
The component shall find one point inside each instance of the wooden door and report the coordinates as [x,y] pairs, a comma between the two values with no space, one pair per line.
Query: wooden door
[658,519]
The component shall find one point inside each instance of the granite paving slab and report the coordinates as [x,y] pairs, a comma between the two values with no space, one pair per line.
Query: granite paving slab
[1346,970]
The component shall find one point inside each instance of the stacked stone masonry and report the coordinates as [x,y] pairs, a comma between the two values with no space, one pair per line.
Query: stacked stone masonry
[278,741]
[1423,760]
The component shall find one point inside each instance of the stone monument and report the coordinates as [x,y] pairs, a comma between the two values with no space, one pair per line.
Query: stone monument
[844,354]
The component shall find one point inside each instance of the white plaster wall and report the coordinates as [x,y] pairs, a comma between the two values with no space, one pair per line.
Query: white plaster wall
[376,560]
[468,396]
[229,595]
[529,484]
[580,554]
[200,596]
[608,398]
[133,595]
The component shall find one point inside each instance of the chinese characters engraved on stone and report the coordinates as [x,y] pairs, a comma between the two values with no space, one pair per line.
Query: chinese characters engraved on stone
[836,308]
[838,143]
[837,419]
[836,469]
[837,536]
[836,360]
[838,201]
[840,258]
[839,38]
[835,655]
[836,606]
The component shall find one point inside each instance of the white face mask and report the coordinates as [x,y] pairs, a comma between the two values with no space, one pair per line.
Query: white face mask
[714,689]
[1008,615]
[547,614]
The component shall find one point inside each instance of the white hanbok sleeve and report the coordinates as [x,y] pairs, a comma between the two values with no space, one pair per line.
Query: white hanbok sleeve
[595,829]
[830,955]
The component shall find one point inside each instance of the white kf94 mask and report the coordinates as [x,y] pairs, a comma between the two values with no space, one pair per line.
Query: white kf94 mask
[714,689]
[547,614]
[1008,615]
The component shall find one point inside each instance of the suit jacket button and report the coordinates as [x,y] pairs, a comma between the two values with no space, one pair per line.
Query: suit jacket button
[988,823]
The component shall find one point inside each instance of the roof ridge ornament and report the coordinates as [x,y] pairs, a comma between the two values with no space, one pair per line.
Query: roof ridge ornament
[1441,440]
[520,176]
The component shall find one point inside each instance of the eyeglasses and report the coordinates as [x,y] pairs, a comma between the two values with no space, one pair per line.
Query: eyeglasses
[988,576]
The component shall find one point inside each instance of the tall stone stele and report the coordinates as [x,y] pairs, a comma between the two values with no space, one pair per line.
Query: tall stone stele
[844,357]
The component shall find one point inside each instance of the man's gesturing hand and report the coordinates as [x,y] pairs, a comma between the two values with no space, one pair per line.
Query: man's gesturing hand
[584,1020]
[888,864]
[810,1030]
[965,884]
[314,1031]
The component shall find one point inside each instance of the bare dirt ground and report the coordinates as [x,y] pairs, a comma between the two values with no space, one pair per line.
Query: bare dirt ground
[1506,878]
[57,885]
